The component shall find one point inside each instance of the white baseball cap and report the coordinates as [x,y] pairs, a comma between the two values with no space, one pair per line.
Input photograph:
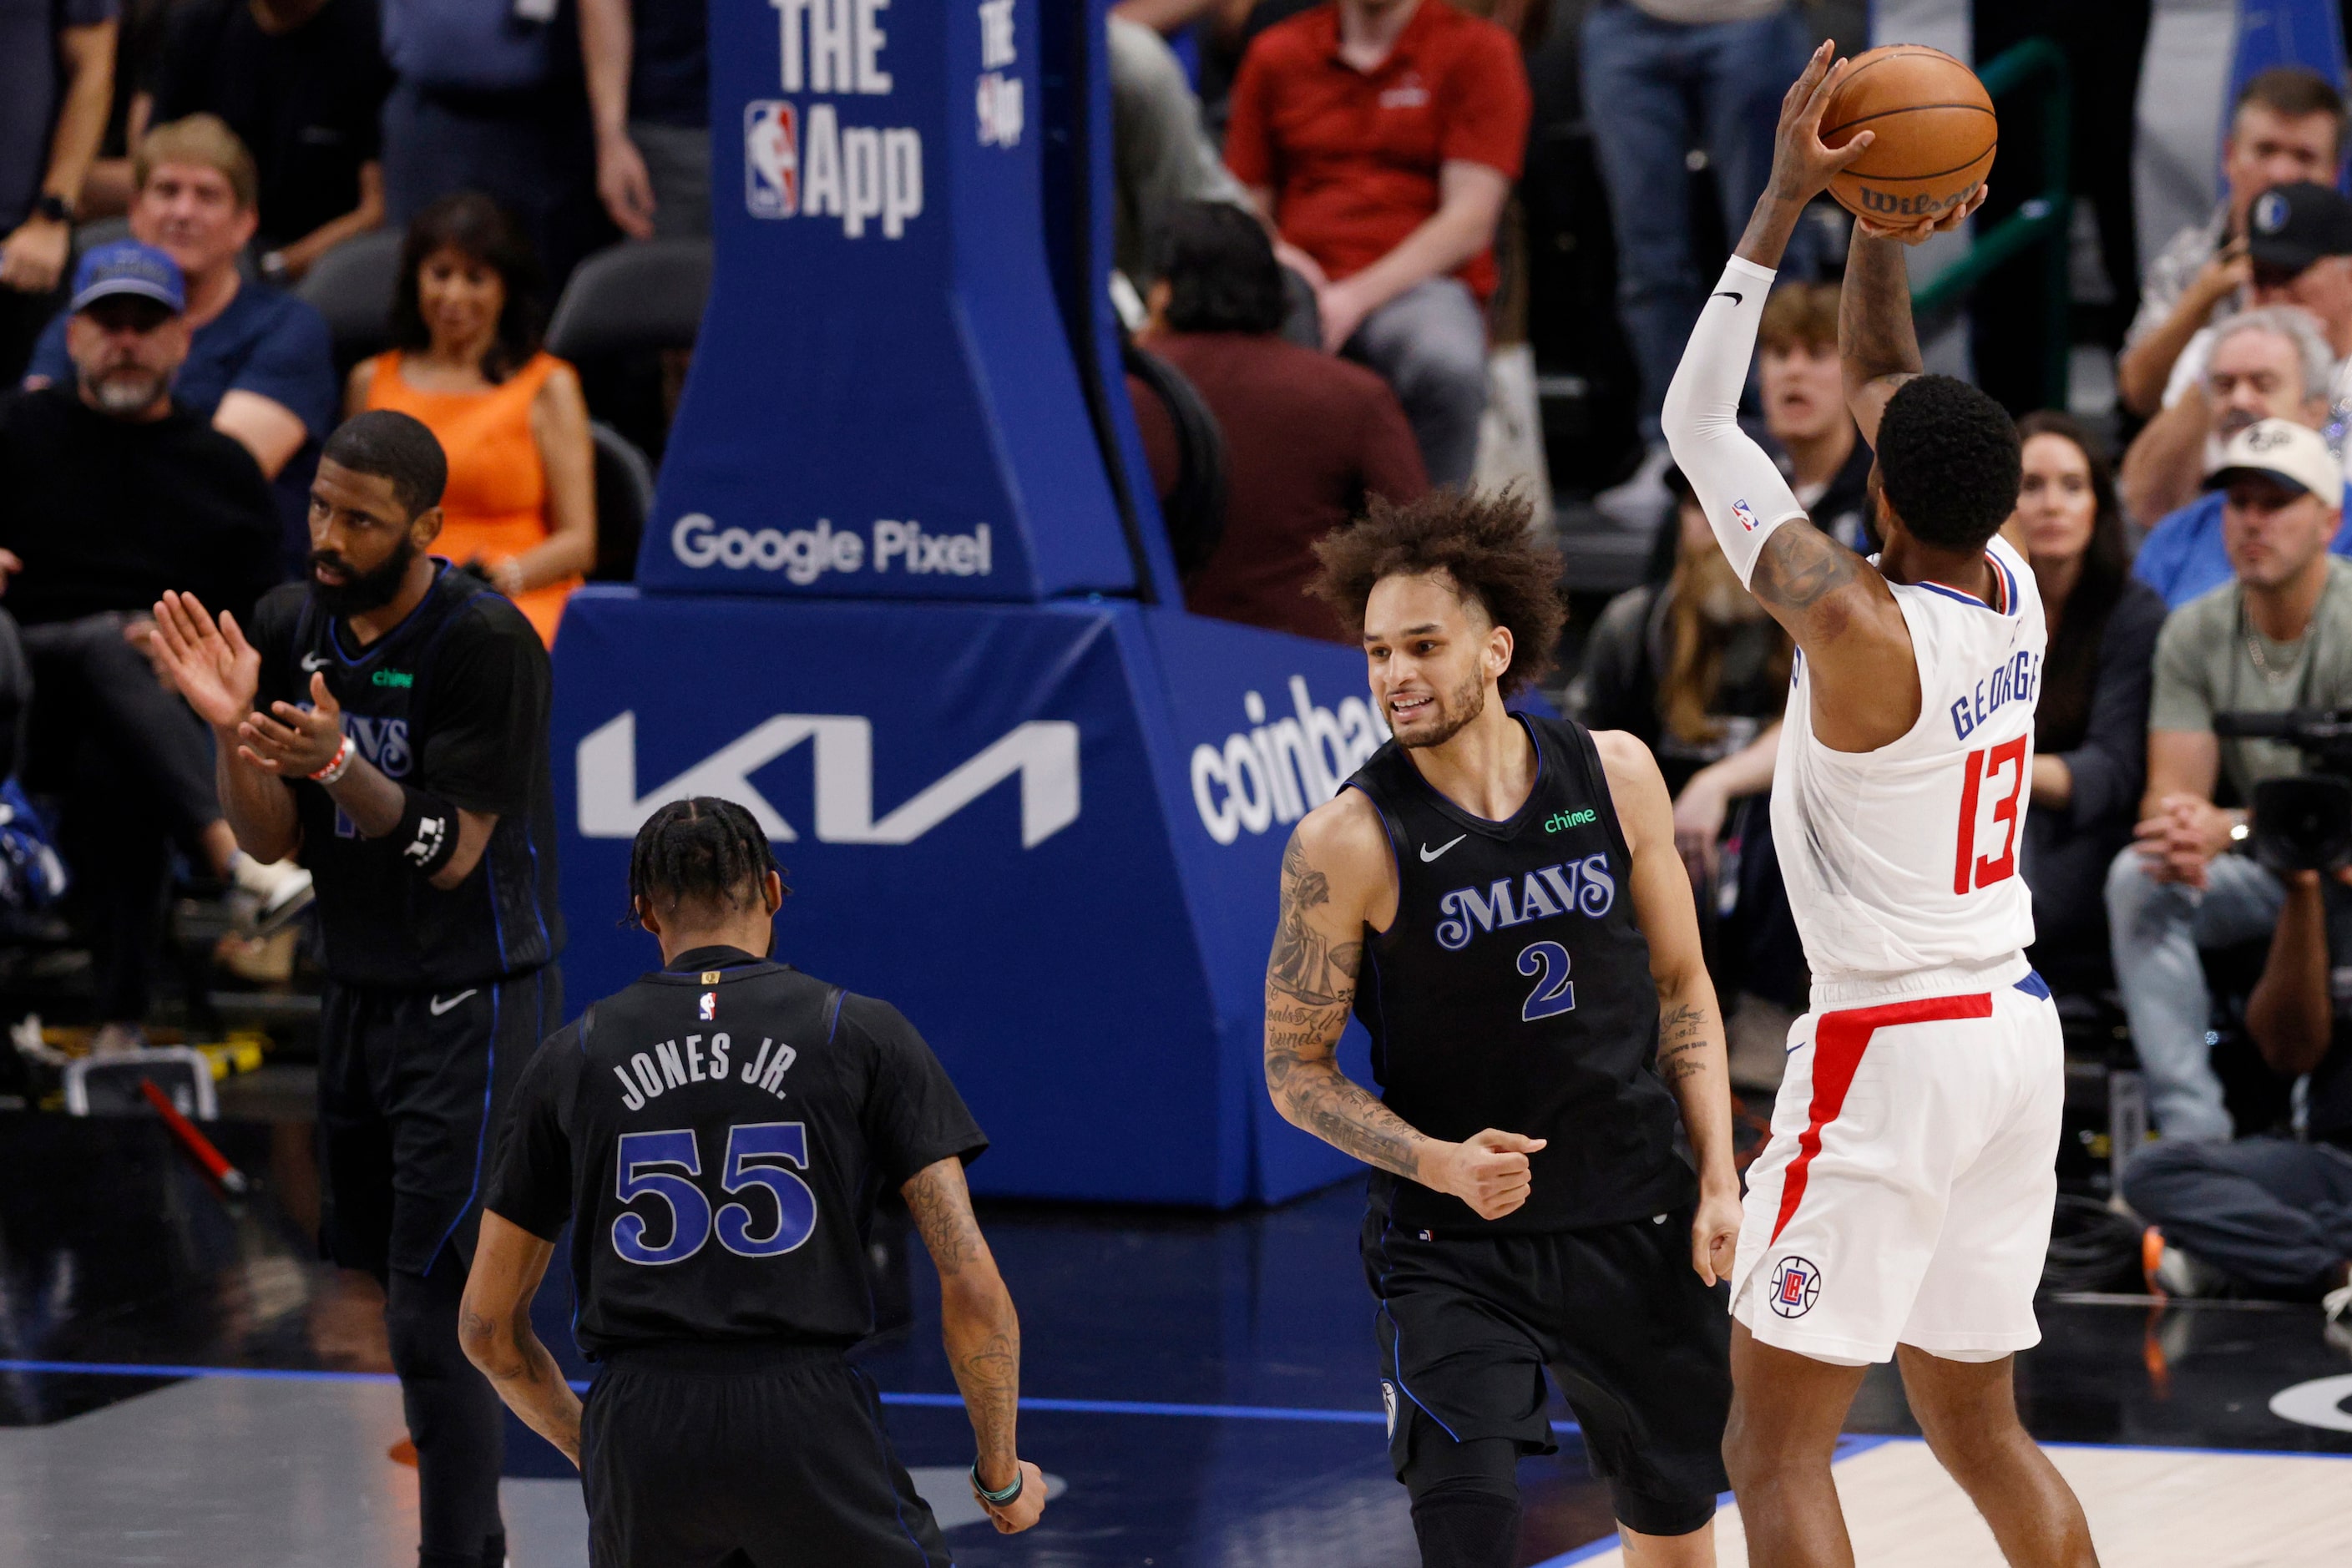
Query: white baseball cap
[2294,454]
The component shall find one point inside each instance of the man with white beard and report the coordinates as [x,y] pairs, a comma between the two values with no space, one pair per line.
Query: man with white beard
[114,494]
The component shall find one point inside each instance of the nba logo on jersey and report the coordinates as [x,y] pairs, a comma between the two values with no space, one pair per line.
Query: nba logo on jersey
[1795,1286]
[771,169]
[1746,514]
[710,1010]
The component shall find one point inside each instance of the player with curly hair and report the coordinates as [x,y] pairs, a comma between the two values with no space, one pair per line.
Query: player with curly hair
[1902,1207]
[1498,898]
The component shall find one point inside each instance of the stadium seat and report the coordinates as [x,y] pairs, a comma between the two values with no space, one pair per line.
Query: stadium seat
[644,295]
[351,286]
[624,499]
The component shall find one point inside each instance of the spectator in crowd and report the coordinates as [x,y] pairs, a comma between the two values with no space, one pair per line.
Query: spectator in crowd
[521,506]
[2090,721]
[1663,76]
[1308,437]
[492,98]
[2288,126]
[260,364]
[114,493]
[57,83]
[1160,155]
[1696,669]
[2269,364]
[2278,637]
[1381,138]
[302,83]
[1803,394]
[2271,1215]
[2302,256]
[649,96]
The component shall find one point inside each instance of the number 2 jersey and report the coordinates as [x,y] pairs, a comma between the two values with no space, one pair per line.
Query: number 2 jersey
[1906,858]
[717,1134]
[1513,991]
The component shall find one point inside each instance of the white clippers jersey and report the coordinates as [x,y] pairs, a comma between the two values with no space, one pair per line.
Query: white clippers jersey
[1906,858]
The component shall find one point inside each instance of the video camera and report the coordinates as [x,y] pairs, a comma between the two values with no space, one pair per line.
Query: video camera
[2303,823]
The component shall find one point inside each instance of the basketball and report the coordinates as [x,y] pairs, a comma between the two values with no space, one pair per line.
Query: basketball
[1934,130]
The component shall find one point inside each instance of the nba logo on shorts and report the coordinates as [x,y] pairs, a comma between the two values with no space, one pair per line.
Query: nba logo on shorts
[710,1006]
[771,168]
[1746,514]
[1795,1285]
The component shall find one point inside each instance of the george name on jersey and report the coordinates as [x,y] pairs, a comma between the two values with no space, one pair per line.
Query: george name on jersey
[649,1074]
[1574,887]
[2014,680]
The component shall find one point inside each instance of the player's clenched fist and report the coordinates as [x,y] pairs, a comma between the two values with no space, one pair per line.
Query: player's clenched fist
[1013,1516]
[1489,1172]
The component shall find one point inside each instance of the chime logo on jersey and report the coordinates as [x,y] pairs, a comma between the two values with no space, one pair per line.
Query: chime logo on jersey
[709,1008]
[1572,886]
[1796,1284]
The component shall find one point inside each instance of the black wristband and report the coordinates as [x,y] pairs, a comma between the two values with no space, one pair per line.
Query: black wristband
[427,833]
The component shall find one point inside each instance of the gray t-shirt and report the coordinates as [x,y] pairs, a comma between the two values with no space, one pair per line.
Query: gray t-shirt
[30,74]
[2209,659]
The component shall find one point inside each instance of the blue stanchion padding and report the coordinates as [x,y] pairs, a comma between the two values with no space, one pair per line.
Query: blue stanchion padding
[2306,33]
[884,401]
[1050,834]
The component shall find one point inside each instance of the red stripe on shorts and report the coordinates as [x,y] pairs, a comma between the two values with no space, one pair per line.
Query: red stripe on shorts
[1839,1040]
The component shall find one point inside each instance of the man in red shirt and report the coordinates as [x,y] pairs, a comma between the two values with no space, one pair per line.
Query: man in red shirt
[1381,138]
[1308,438]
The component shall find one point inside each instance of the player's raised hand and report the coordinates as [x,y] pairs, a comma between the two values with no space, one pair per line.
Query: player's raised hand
[209,664]
[1801,165]
[1488,1171]
[295,742]
[1027,1504]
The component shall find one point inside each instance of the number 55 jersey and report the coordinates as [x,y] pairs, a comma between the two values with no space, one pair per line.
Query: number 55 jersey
[717,1133]
[1906,858]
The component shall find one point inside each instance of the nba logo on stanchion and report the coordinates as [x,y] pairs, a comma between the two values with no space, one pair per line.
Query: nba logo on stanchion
[771,165]
[1795,1285]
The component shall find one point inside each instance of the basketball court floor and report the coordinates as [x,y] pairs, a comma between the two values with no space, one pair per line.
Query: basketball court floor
[181,1386]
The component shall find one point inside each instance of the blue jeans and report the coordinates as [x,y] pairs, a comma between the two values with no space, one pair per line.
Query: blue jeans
[2156,930]
[1652,91]
[2272,1213]
[1429,343]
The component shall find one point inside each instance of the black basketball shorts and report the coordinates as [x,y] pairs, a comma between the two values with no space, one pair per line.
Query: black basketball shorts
[412,1091]
[1639,1347]
[716,1456]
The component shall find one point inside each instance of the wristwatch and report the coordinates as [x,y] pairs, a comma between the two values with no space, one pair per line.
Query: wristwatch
[54,208]
[273,266]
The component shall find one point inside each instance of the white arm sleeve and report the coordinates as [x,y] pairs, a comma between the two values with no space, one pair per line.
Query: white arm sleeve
[1743,493]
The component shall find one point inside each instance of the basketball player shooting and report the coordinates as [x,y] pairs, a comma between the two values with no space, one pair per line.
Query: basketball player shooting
[1508,891]
[1902,1207]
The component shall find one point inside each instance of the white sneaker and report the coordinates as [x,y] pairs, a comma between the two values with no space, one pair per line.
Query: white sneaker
[282,889]
[2177,1274]
[1639,505]
[117,1040]
[2337,1307]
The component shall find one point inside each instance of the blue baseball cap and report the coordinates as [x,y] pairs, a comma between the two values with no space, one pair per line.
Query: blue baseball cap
[127,267]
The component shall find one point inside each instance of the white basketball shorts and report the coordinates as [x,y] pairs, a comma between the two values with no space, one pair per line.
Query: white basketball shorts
[1906,1192]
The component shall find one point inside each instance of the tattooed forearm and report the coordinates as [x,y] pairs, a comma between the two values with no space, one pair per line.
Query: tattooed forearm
[1875,335]
[1314,1096]
[1683,1042]
[987,1368]
[942,1205]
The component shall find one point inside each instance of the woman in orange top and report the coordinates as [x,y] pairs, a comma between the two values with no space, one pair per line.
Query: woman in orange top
[522,499]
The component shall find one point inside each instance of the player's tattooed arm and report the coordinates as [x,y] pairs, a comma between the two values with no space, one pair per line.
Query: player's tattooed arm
[1311,985]
[1877,344]
[982,1331]
[1683,1042]
[494,1329]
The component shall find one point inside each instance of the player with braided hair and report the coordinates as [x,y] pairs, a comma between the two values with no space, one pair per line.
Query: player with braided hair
[715,1135]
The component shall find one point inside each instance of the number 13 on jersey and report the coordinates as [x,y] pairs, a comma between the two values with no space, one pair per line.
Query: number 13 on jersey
[1995,774]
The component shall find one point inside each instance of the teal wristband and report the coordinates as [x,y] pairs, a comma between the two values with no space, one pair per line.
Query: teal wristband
[996,1499]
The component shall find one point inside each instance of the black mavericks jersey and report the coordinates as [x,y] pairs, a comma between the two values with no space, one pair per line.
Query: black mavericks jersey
[717,1133]
[1513,991]
[454,700]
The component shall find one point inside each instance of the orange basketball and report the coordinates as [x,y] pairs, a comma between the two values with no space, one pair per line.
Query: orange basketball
[1934,133]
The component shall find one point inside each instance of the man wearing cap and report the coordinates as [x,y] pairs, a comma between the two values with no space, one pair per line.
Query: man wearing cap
[2269,364]
[114,492]
[2278,636]
[2299,251]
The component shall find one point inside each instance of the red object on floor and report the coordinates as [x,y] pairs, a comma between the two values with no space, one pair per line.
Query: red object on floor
[199,1147]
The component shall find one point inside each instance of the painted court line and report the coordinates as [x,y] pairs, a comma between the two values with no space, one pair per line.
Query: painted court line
[925,1401]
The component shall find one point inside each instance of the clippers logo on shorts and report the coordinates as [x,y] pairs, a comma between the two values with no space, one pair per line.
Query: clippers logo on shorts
[771,169]
[710,1006]
[1796,1285]
[1388,1403]
[1746,514]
